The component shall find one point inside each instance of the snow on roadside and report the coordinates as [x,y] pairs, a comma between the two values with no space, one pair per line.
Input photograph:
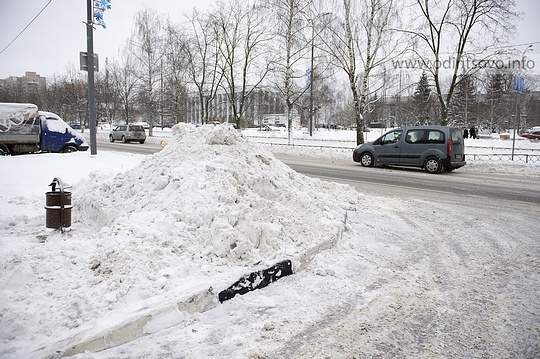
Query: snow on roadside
[203,211]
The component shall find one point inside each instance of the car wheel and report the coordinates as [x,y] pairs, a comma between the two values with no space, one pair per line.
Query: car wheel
[433,165]
[366,159]
[111,139]
[124,139]
[141,142]
[69,149]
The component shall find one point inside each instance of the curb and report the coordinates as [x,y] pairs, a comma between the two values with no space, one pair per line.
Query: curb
[152,321]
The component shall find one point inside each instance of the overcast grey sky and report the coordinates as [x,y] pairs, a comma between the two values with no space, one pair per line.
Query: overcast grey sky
[56,37]
[54,40]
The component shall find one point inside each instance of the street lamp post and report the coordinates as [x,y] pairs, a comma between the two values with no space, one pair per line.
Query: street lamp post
[91,91]
[94,11]
[311,82]
[519,88]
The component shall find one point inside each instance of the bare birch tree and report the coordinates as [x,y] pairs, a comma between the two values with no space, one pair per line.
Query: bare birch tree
[147,48]
[174,76]
[125,84]
[359,43]
[244,51]
[75,95]
[449,27]
[204,60]
[291,52]
[106,94]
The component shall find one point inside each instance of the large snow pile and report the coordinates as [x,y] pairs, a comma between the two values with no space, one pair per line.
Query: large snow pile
[200,213]
[210,198]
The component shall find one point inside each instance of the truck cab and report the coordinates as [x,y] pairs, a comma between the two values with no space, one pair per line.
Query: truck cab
[24,129]
[58,136]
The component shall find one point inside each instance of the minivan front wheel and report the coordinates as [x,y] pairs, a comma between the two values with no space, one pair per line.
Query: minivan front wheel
[433,165]
[366,159]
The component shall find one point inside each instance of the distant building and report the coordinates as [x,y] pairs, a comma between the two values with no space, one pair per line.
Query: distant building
[259,103]
[28,88]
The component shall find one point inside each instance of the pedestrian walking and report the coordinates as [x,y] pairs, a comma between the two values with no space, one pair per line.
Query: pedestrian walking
[472,132]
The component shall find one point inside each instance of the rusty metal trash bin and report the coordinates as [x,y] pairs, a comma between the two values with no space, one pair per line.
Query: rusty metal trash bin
[58,206]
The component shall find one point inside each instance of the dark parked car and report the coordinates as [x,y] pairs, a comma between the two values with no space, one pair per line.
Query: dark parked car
[533,135]
[433,148]
[128,133]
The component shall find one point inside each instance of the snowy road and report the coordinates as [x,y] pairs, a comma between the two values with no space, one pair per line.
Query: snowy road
[462,184]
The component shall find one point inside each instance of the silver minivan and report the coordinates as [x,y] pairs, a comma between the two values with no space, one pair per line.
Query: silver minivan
[433,148]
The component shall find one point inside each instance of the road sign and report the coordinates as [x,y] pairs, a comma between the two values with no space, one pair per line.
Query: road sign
[84,61]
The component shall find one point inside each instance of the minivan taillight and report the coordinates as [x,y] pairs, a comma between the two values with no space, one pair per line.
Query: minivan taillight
[449,147]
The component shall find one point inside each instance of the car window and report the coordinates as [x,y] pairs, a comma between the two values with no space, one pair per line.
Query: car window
[136,128]
[457,137]
[415,136]
[435,136]
[423,136]
[391,137]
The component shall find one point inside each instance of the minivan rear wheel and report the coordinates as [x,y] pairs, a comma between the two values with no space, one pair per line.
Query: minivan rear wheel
[366,159]
[433,165]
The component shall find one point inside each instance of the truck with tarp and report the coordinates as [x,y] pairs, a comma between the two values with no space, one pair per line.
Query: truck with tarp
[25,129]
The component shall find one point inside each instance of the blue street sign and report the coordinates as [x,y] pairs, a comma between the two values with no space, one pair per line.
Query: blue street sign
[519,83]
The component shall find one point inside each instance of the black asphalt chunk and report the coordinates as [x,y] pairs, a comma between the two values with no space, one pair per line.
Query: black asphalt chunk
[257,280]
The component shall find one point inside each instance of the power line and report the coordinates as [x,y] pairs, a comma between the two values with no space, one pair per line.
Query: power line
[30,23]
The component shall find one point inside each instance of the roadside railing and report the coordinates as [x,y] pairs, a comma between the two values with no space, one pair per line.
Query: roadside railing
[525,158]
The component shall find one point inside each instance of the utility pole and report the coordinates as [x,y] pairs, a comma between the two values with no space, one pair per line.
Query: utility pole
[91,87]
[94,10]
[311,83]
